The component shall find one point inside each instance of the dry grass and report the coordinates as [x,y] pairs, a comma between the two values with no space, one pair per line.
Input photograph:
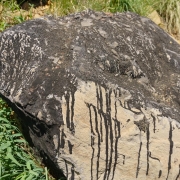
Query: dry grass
[170,12]
[64,7]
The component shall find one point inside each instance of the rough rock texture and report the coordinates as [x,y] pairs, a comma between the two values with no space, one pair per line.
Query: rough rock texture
[100,94]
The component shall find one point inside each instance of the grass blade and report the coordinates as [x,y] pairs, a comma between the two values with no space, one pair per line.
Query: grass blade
[11,157]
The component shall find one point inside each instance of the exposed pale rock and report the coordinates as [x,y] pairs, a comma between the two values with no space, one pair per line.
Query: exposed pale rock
[154,16]
[99,95]
[37,16]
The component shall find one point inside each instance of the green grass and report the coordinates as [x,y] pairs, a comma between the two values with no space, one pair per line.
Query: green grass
[141,7]
[16,158]
[65,7]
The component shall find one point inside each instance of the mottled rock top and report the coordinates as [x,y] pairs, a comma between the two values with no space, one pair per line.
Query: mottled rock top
[123,48]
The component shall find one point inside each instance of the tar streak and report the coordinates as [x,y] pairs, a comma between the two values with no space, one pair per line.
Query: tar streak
[147,136]
[139,155]
[105,132]
[170,148]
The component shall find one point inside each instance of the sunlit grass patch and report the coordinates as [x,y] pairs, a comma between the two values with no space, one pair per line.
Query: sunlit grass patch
[141,7]
[64,7]
[11,14]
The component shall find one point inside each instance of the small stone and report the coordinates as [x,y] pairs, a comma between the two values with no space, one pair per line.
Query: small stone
[154,16]
[37,16]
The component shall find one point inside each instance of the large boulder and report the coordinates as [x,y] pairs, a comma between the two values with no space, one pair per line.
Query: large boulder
[98,94]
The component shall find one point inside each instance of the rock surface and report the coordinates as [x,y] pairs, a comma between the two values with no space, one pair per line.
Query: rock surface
[99,94]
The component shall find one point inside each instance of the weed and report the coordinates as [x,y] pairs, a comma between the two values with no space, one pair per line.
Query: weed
[3,25]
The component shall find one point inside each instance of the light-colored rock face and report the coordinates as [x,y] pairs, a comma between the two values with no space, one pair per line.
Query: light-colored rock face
[112,140]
